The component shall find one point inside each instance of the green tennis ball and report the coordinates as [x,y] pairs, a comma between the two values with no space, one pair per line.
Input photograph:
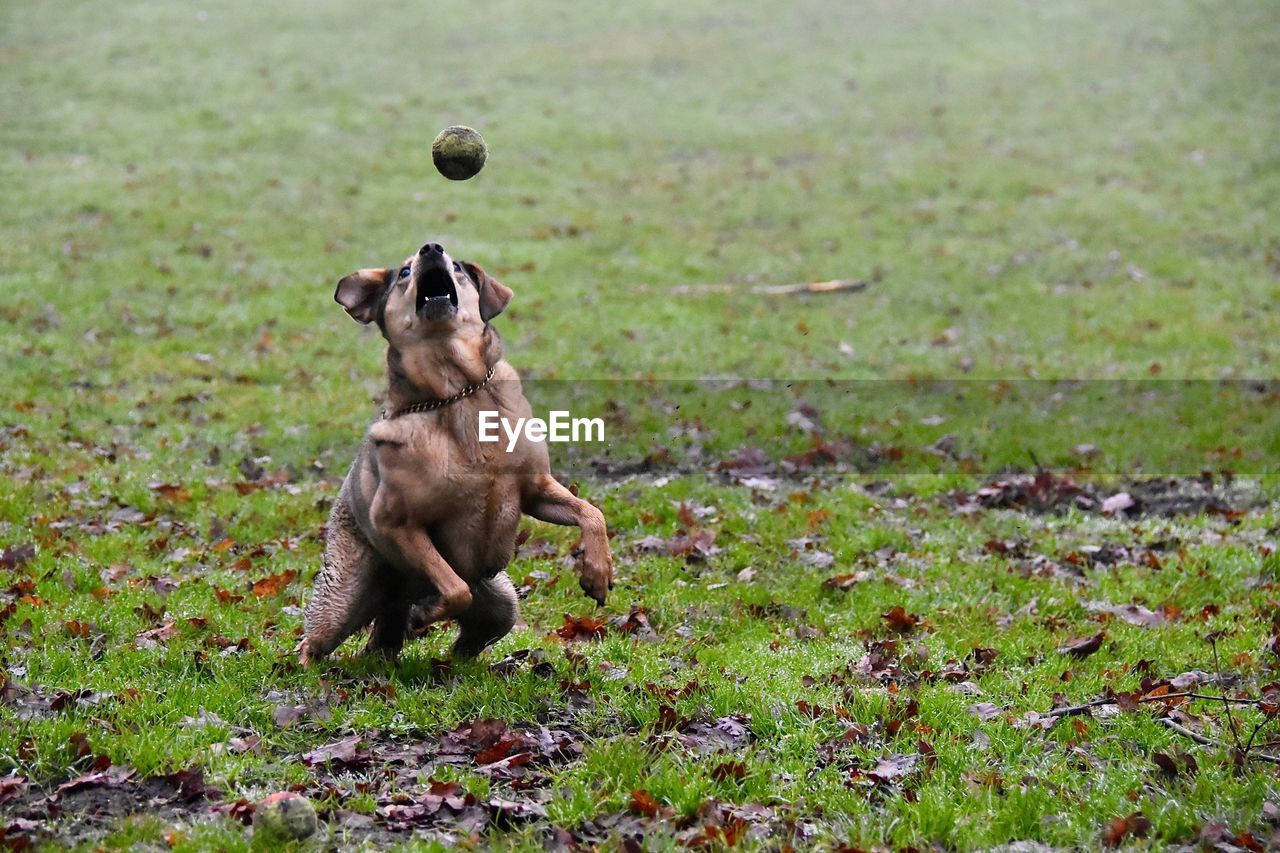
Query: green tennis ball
[459,152]
[286,815]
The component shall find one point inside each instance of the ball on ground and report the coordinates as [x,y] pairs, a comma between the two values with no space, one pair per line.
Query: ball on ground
[459,152]
[286,815]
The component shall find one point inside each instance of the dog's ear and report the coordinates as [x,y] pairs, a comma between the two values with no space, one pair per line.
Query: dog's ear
[359,293]
[494,295]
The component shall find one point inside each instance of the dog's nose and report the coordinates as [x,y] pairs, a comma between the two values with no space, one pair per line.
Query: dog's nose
[431,249]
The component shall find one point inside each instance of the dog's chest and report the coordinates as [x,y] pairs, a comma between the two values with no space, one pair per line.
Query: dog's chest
[466,497]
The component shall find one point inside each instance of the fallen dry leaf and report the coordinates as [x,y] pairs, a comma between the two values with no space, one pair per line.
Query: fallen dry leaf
[274,584]
[900,620]
[577,628]
[1120,828]
[1082,647]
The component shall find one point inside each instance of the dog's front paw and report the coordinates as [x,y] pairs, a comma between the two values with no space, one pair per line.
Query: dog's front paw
[306,657]
[596,577]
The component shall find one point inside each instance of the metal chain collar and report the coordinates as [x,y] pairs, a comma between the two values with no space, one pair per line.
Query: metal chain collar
[432,405]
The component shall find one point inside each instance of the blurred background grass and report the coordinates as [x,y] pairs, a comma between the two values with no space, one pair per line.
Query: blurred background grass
[1073,190]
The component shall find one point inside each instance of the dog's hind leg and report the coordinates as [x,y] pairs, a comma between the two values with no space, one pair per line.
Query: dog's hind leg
[390,623]
[346,594]
[493,611]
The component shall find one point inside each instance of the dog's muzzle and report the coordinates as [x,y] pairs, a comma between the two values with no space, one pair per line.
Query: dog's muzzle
[433,277]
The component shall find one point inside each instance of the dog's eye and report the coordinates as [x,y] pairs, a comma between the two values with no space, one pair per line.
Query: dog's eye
[457,267]
[404,272]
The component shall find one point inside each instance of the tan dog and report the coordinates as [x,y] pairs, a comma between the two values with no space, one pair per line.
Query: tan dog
[428,515]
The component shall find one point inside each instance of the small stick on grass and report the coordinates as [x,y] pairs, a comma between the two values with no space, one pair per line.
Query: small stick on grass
[839,285]
[1208,741]
[1231,719]
[1098,703]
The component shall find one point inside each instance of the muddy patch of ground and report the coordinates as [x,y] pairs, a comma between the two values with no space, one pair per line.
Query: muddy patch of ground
[1049,492]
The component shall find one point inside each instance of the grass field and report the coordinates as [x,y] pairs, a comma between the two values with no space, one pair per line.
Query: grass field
[851,590]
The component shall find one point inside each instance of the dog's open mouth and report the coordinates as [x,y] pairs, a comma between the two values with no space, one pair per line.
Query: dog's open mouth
[437,297]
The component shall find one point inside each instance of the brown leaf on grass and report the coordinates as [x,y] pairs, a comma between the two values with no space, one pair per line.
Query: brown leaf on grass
[894,767]
[153,637]
[506,813]
[20,833]
[80,742]
[1160,697]
[502,753]
[1136,825]
[163,585]
[343,754]
[76,628]
[720,829]
[810,711]
[845,583]
[16,555]
[747,463]
[446,805]
[821,452]
[808,632]
[985,711]
[286,715]
[1189,679]
[486,740]
[12,786]
[735,770]
[1172,764]
[1134,614]
[472,737]
[115,573]
[1082,647]
[694,546]
[1036,720]
[900,620]
[1269,704]
[275,584]
[818,559]
[191,785]
[1006,547]
[102,774]
[643,803]
[888,769]
[635,623]
[170,491]
[149,614]
[251,744]
[578,628]
[512,748]
[984,656]
[724,733]
[856,734]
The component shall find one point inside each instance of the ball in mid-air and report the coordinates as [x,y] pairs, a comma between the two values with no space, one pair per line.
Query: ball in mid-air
[286,815]
[459,152]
